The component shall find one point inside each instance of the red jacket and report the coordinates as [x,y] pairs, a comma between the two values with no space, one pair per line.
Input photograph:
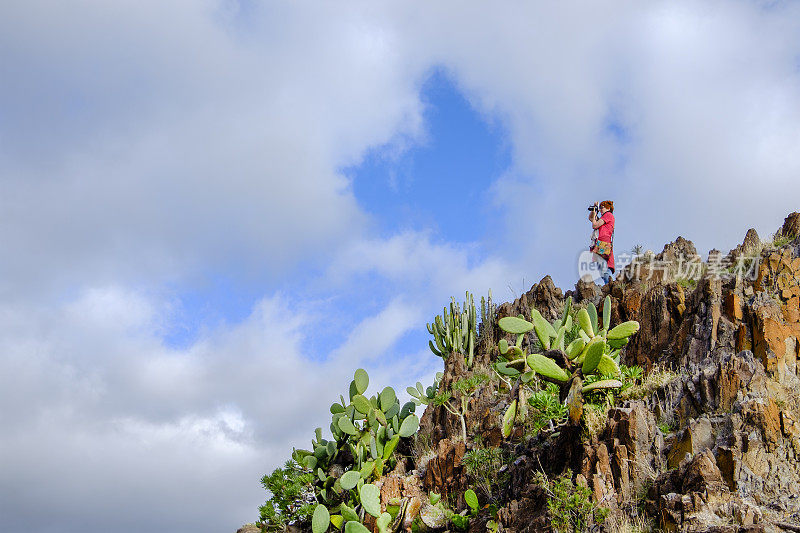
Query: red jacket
[605,233]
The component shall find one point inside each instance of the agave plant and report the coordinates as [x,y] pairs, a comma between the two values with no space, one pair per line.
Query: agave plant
[366,432]
[455,330]
[595,350]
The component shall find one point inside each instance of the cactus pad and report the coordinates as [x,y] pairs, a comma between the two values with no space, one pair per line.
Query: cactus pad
[508,419]
[516,325]
[546,367]
[585,323]
[503,344]
[472,500]
[361,380]
[592,356]
[624,330]
[605,384]
[355,527]
[409,426]
[371,499]
[592,310]
[321,519]
[361,404]
[575,348]
[349,479]
[607,367]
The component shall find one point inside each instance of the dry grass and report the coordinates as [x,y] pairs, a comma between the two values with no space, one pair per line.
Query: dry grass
[627,524]
[595,417]
[778,241]
[422,451]
[658,377]
[424,459]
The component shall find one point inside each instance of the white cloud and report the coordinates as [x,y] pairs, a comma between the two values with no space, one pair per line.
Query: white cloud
[705,93]
[65,474]
[433,271]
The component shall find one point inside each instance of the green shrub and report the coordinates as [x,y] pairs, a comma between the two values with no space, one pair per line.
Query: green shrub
[292,497]
[482,466]
[779,239]
[646,385]
[546,410]
[570,506]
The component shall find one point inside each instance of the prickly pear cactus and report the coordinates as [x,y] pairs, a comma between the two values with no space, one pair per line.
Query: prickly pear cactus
[421,395]
[365,433]
[595,350]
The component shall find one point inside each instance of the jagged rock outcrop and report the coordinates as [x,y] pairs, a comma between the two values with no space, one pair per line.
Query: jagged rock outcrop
[660,312]
[729,460]
[751,245]
[791,226]
[678,259]
[715,448]
[544,296]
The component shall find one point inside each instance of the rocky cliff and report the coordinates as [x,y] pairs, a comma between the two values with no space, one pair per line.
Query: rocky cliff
[707,438]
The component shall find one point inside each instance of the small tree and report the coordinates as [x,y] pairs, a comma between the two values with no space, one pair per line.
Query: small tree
[465,388]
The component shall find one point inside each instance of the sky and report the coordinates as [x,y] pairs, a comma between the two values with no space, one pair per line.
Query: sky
[213,211]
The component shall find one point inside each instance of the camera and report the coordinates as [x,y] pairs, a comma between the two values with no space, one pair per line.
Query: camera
[594,207]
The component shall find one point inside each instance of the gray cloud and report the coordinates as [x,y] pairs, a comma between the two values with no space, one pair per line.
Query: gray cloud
[153,143]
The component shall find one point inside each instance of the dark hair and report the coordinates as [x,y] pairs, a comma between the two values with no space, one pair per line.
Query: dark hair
[607,204]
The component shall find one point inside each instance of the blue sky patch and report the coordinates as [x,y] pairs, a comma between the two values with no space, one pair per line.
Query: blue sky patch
[442,184]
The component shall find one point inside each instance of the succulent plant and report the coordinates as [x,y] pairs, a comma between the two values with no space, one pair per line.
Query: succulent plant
[321,519]
[488,318]
[472,501]
[455,330]
[384,523]
[421,395]
[595,351]
[355,527]
[366,431]
[465,388]
[370,496]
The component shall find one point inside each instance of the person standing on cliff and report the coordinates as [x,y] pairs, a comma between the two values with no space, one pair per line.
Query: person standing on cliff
[602,220]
